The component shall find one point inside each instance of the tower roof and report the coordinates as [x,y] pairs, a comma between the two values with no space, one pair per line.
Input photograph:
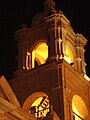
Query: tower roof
[49,8]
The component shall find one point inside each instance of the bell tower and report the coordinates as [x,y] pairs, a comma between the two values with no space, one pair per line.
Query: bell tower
[51,81]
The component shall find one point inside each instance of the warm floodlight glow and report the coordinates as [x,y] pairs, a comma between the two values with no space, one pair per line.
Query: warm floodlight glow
[76,113]
[28,61]
[79,108]
[41,107]
[86,77]
[39,54]
[68,56]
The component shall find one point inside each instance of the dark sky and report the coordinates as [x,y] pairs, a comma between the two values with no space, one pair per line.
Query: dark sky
[13,13]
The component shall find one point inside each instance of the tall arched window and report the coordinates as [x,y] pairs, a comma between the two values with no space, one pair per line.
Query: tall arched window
[69,55]
[39,54]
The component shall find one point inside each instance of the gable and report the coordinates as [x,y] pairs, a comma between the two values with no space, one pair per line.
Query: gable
[2,94]
[7,93]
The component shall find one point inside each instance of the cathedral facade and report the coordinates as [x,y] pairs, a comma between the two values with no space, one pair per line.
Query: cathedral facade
[50,82]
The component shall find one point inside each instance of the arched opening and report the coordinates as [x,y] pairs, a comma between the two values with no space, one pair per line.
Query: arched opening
[69,55]
[37,104]
[79,108]
[39,54]
[40,107]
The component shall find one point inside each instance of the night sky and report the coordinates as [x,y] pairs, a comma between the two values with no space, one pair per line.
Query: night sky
[14,13]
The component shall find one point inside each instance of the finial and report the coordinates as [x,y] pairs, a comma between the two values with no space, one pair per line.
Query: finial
[23,26]
[50,5]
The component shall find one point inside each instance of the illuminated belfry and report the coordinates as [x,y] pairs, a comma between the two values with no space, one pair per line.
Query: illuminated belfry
[51,82]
